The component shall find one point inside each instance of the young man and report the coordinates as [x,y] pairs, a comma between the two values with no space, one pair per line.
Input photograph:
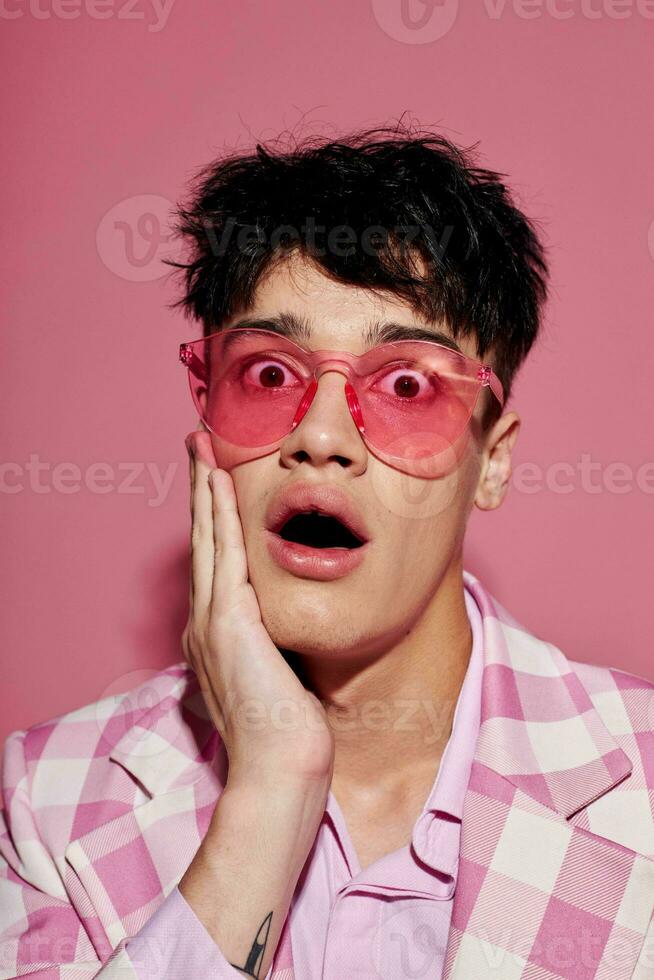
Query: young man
[364,766]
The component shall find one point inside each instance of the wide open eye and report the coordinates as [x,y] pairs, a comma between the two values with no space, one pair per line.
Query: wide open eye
[409,384]
[267,374]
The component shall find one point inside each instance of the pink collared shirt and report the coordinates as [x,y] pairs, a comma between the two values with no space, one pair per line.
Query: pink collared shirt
[389,920]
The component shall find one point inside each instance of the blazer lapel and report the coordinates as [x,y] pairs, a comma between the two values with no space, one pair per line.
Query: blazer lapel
[129,864]
[120,872]
[538,895]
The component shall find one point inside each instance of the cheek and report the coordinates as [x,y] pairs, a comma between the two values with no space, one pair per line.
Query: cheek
[413,502]
[423,520]
[227,456]
[422,546]
[253,488]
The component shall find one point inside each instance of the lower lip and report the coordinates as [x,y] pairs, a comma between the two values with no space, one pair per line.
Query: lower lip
[322,564]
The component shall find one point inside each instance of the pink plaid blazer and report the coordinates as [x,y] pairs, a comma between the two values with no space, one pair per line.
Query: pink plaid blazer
[106,806]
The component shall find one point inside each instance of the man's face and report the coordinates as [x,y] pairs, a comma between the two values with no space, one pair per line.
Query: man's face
[416,525]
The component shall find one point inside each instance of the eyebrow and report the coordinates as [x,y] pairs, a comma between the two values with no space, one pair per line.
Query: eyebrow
[378,332]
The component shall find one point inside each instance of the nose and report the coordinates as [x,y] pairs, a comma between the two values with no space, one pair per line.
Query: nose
[327,431]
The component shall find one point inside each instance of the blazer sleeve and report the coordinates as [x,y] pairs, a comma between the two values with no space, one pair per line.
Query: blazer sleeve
[43,937]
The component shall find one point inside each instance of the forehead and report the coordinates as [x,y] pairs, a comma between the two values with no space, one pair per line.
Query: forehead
[321,313]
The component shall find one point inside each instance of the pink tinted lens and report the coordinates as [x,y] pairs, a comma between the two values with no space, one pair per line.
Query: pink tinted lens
[255,385]
[415,399]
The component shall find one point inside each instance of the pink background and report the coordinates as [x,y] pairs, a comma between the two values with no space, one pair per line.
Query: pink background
[108,118]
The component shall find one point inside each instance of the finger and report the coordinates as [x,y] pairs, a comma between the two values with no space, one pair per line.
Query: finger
[202,543]
[200,427]
[191,481]
[231,568]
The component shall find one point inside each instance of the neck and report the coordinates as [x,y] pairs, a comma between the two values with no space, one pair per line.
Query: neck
[392,716]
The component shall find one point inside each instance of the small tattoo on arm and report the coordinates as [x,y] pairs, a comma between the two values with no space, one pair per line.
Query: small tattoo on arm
[255,956]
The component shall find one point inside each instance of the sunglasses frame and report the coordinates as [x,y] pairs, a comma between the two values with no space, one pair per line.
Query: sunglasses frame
[320,361]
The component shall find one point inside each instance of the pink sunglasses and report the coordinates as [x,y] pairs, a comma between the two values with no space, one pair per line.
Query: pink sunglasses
[411,400]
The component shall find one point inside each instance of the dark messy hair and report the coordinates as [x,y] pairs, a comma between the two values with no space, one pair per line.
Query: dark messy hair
[365,208]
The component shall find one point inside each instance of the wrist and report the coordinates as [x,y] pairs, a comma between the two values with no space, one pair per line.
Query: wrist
[299,777]
[269,797]
[276,827]
[280,811]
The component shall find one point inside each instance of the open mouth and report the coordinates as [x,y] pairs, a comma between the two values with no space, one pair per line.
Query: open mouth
[316,530]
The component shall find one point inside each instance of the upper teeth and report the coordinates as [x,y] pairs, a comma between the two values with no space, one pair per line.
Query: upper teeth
[314,513]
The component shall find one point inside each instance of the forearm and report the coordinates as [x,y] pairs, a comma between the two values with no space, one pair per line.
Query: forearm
[242,879]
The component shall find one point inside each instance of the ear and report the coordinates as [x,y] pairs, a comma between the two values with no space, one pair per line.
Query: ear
[496,462]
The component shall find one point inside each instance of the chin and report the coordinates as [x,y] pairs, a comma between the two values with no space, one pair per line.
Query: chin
[314,629]
[328,630]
